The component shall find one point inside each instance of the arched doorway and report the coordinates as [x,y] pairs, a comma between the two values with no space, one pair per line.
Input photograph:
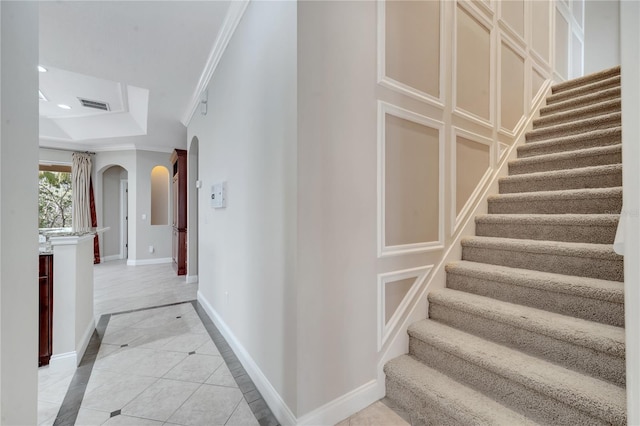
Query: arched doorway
[115,213]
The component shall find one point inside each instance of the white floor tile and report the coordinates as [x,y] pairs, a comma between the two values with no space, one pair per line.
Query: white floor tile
[209,405]
[160,400]
[195,368]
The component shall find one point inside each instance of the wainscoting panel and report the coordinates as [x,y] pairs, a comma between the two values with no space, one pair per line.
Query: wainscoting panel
[511,82]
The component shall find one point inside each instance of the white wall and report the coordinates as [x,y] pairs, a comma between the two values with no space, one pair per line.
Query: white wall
[601,35]
[111,187]
[18,213]
[247,253]
[192,210]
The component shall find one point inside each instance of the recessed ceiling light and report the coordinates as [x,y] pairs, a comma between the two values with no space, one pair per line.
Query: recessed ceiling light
[41,68]
[63,106]
[42,96]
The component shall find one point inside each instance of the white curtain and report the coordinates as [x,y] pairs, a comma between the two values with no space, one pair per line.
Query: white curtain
[80,178]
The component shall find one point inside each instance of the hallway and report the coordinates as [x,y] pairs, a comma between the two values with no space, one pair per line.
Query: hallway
[156,359]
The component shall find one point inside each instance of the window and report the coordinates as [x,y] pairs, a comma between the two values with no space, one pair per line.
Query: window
[54,197]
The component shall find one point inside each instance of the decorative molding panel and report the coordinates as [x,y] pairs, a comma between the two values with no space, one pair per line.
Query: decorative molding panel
[403,87]
[385,109]
[458,218]
[385,327]
[505,42]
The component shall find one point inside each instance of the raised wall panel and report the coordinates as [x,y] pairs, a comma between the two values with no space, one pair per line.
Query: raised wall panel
[577,6]
[473,159]
[411,201]
[536,82]
[540,27]
[513,15]
[473,65]
[394,292]
[512,87]
[576,57]
[412,44]
[562,45]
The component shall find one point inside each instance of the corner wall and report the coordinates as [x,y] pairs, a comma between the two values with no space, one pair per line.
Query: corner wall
[247,251]
[18,213]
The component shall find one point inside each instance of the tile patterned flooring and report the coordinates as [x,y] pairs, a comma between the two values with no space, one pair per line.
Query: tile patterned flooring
[149,365]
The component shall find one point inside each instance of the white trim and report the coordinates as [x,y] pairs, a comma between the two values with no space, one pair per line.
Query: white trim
[232,19]
[62,362]
[111,258]
[343,406]
[275,402]
[506,28]
[397,342]
[385,328]
[384,250]
[503,148]
[139,262]
[190,279]
[399,86]
[457,219]
[124,214]
[488,25]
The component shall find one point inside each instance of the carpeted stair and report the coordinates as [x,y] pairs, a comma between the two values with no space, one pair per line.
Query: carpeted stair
[530,327]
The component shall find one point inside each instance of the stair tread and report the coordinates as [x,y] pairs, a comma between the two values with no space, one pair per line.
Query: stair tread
[457,400]
[600,337]
[565,173]
[609,92]
[561,248]
[576,124]
[586,79]
[592,288]
[587,87]
[605,106]
[594,134]
[594,396]
[563,194]
[551,219]
[568,155]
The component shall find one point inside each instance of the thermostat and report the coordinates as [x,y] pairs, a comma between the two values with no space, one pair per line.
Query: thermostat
[219,195]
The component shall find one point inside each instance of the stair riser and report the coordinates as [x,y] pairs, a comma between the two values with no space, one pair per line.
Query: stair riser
[568,233]
[537,135]
[606,205]
[580,91]
[550,261]
[530,402]
[519,168]
[547,120]
[611,73]
[572,356]
[532,150]
[609,180]
[419,407]
[582,101]
[566,304]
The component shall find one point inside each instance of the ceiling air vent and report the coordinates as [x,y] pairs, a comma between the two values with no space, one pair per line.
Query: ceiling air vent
[94,104]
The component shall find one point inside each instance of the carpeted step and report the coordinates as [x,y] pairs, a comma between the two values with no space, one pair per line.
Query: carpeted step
[596,138]
[606,176]
[541,390]
[586,79]
[597,156]
[575,127]
[581,101]
[579,259]
[587,111]
[582,90]
[569,201]
[571,228]
[587,298]
[437,399]
[581,345]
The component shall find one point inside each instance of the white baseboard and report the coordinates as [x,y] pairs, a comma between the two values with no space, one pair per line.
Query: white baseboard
[111,257]
[192,279]
[62,362]
[279,408]
[138,262]
[84,341]
[344,406]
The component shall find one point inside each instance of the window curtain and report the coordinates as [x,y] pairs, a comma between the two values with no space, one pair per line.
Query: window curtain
[81,181]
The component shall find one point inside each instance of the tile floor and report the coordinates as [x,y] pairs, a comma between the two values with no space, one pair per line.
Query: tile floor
[151,365]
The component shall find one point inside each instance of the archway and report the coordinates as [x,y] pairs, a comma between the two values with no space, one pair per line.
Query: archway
[115,213]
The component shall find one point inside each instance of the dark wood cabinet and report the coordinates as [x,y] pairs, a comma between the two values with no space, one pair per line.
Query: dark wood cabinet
[179,210]
[45,336]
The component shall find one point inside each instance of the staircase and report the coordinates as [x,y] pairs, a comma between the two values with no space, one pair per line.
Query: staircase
[530,327]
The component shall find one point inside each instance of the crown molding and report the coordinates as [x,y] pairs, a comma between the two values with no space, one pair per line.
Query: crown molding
[231,21]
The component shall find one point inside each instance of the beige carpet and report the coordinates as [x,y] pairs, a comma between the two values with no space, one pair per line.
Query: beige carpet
[530,327]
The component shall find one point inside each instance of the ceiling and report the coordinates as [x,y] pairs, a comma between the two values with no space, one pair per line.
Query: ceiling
[144,59]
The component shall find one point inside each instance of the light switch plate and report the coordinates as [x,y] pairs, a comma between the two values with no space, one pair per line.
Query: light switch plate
[219,195]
